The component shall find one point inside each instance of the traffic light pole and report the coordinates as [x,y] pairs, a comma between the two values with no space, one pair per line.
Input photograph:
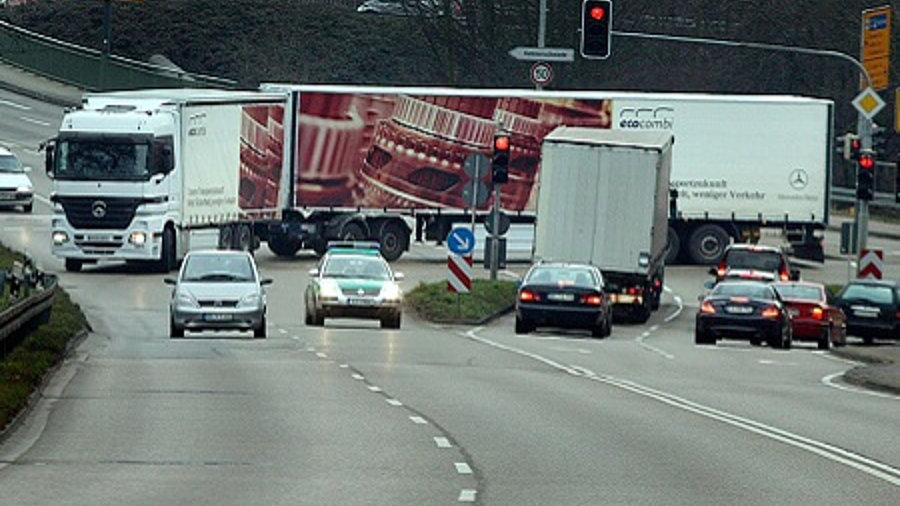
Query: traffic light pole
[495,235]
[863,123]
[542,33]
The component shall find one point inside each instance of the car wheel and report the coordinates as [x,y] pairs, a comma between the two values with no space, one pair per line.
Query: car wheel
[702,338]
[522,327]
[868,340]
[260,332]
[73,265]
[607,326]
[756,342]
[825,340]
[174,330]
[27,208]
[391,322]
[307,316]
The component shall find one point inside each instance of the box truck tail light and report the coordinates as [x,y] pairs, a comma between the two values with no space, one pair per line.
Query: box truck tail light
[707,308]
[592,300]
[528,296]
[633,290]
[771,312]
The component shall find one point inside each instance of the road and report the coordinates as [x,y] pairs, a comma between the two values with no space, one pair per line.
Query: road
[352,414]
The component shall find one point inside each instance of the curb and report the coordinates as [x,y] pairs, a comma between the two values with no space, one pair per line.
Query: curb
[866,376]
[487,319]
[37,95]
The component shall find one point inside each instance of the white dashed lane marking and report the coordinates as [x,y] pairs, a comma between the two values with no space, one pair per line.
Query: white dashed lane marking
[321,355]
[418,420]
[375,389]
[467,495]
[442,442]
[394,402]
[462,468]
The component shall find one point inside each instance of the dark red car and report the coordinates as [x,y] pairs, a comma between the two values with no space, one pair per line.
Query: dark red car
[813,316]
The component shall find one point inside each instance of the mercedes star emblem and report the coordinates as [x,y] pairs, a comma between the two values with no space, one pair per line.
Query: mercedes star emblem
[98,209]
[799,179]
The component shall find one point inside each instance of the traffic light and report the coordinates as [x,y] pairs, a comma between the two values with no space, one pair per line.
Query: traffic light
[879,138]
[865,176]
[852,146]
[596,28]
[500,158]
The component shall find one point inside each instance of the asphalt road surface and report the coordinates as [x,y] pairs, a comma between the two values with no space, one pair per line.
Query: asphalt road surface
[351,414]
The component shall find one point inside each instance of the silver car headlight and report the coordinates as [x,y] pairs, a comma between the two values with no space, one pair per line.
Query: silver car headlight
[329,289]
[251,300]
[24,189]
[185,299]
[391,292]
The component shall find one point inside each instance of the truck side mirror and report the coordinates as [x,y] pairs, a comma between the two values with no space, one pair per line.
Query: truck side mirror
[49,159]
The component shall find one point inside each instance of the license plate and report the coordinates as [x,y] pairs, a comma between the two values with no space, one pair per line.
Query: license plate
[357,301]
[794,312]
[561,297]
[217,317]
[100,238]
[738,309]
[7,196]
[866,314]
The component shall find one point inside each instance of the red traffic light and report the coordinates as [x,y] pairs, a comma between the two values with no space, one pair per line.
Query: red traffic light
[866,162]
[598,13]
[501,143]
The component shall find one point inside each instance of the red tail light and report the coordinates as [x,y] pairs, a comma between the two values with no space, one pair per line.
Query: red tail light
[771,312]
[592,300]
[720,271]
[528,296]
[657,283]
[633,290]
[784,275]
[707,308]
[818,313]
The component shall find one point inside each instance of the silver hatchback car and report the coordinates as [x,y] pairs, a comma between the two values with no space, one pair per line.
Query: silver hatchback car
[218,290]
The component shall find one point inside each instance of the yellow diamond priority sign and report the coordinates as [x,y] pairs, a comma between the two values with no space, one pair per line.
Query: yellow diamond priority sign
[868,103]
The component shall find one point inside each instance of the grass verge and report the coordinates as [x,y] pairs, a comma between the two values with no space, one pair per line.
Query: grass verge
[433,302]
[23,368]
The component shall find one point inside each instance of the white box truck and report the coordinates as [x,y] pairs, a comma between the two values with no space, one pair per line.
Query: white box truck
[603,199]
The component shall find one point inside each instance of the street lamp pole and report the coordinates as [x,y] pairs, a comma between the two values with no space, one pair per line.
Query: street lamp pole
[107,42]
[863,123]
[542,31]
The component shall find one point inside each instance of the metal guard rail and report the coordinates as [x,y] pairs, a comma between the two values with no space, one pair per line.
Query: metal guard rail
[23,312]
[83,67]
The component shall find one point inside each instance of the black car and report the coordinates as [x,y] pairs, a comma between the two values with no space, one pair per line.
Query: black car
[566,295]
[872,308]
[743,310]
[754,262]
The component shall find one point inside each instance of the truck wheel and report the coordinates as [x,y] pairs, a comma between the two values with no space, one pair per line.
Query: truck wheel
[245,237]
[283,246]
[707,244]
[353,232]
[167,258]
[673,245]
[226,236]
[73,265]
[394,241]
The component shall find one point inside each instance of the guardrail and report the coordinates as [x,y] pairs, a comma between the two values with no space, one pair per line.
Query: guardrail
[85,68]
[32,293]
[848,195]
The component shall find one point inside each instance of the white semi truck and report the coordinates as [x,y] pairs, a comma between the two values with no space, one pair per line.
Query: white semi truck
[138,175]
[603,199]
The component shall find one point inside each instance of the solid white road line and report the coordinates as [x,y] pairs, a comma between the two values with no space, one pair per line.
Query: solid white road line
[418,420]
[640,340]
[462,468]
[835,454]
[830,381]
[442,442]
[467,495]
[678,302]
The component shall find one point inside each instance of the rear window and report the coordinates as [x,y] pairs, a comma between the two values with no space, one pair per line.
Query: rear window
[757,260]
[799,292]
[562,276]
[869,293]
[742,290]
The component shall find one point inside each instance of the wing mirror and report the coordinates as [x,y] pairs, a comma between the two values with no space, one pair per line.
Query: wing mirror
[313,272]
[266,281]
[157,178]
[27,169]
[170,281]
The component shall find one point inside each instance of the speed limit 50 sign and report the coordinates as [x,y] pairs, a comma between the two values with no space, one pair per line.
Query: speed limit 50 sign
[541,74]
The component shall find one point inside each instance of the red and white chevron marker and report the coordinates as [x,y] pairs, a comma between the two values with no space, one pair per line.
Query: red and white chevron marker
[871,264]
[459,273]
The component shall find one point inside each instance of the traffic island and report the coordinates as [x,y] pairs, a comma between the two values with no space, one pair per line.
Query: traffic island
[486,300]
[881,370]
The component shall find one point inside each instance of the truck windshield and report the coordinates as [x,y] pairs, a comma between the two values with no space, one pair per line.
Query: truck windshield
[103,160]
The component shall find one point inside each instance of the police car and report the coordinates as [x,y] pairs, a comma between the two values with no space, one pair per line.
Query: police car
[353,280]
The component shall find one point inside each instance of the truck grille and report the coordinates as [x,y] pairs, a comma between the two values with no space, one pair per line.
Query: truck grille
[99,213]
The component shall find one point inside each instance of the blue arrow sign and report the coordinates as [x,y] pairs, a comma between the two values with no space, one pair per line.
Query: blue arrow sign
[461,241]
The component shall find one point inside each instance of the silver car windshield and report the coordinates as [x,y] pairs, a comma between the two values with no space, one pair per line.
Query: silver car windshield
[218,268]
[356,267]
[10,164]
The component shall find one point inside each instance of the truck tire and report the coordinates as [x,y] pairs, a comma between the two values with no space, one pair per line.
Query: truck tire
[393,241]
[707,244]
[283,246]
[353,231]
[226,236]
[673,245]
[245,237]
[73,265]
[167,257]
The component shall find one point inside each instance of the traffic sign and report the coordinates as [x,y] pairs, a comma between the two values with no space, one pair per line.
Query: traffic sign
[542,53]
[868,103]
[459,273]
[475,193]
[476,165]
[871,264]
[461,241]
[875,45]
[504,222]
[541,74]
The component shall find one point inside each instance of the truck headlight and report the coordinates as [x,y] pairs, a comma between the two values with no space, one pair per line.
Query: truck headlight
[138,238]
[251,300]
[60,238]
[391,292]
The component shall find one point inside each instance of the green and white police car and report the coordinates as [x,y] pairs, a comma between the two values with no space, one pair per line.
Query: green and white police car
[353,280]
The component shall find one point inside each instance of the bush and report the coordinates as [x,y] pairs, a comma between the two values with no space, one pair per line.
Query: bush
[434,302]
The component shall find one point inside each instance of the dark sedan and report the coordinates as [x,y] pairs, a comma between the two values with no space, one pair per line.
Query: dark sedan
[743,310]
[566,295]
[872,308]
